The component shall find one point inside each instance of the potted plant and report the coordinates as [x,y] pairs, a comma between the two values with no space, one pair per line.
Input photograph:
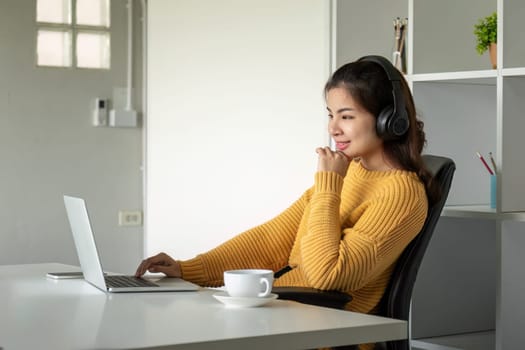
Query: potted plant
[486,31]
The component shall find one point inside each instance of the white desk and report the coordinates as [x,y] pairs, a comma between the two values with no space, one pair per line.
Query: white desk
[40,313]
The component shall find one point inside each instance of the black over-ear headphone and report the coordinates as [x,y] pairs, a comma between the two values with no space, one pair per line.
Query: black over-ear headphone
[392,122]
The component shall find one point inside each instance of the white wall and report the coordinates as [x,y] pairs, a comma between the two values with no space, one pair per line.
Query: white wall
[48,147]
[236,111]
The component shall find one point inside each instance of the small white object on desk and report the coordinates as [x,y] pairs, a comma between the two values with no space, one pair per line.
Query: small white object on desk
[241,302]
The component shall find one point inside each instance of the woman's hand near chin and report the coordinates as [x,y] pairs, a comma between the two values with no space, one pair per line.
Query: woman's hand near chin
[332,161]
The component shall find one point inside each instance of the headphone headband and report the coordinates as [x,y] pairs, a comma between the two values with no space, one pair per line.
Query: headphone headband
[392,73]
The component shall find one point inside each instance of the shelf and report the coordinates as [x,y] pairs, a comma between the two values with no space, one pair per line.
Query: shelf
[513,72]
[485,77]
[482,77]
[469,211]
[480,212]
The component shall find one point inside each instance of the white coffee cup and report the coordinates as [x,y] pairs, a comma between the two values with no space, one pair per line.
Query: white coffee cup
[248,283]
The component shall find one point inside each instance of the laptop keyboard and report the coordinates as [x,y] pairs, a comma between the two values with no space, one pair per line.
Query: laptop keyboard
[127,281]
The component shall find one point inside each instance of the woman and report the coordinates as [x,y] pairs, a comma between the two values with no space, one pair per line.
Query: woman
[368,201]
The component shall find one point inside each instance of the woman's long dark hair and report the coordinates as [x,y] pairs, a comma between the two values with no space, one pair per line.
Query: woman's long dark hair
[369,85]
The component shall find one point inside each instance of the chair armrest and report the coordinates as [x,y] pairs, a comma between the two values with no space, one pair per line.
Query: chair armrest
[312,296]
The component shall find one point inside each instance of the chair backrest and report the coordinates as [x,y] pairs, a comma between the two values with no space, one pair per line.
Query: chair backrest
[396,300]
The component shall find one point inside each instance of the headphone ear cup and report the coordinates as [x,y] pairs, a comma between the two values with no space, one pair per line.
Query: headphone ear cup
[400,124]
[382,122]
[390,126]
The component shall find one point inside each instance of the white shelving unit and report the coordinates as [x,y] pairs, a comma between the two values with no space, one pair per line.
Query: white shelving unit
[467,107]
[499,91]
[497,127]
[488,115]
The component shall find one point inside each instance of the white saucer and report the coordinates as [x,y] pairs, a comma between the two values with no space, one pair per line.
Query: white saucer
[229,301]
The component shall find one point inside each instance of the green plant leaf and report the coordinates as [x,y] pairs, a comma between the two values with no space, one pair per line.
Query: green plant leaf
[486,31]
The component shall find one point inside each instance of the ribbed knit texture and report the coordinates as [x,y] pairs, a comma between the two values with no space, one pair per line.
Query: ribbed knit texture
[342,234]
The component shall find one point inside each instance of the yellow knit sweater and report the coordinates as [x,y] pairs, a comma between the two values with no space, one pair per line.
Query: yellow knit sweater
[341,234]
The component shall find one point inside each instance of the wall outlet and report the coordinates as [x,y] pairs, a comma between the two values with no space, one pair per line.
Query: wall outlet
[130,218]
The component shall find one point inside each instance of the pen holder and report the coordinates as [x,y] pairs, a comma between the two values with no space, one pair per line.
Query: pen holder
[493,190]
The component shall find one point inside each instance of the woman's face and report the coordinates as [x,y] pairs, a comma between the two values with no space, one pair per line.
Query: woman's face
[353,129]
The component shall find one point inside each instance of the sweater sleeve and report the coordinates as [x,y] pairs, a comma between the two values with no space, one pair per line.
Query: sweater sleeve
[336,257]
[265,246]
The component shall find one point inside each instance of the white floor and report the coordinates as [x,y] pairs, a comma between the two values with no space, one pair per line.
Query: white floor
[469,341]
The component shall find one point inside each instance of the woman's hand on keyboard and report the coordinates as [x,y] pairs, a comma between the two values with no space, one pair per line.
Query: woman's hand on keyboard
[160,263]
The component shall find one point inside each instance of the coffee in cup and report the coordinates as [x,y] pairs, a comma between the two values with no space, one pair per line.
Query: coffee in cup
[248,283]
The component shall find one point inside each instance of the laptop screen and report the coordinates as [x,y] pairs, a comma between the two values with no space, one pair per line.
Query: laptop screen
[84,241]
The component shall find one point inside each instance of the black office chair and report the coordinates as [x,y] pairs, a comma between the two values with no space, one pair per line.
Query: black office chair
[395,303]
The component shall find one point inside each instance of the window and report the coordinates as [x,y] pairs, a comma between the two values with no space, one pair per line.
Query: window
[73,33]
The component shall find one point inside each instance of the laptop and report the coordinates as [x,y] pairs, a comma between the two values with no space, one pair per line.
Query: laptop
[92,268]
